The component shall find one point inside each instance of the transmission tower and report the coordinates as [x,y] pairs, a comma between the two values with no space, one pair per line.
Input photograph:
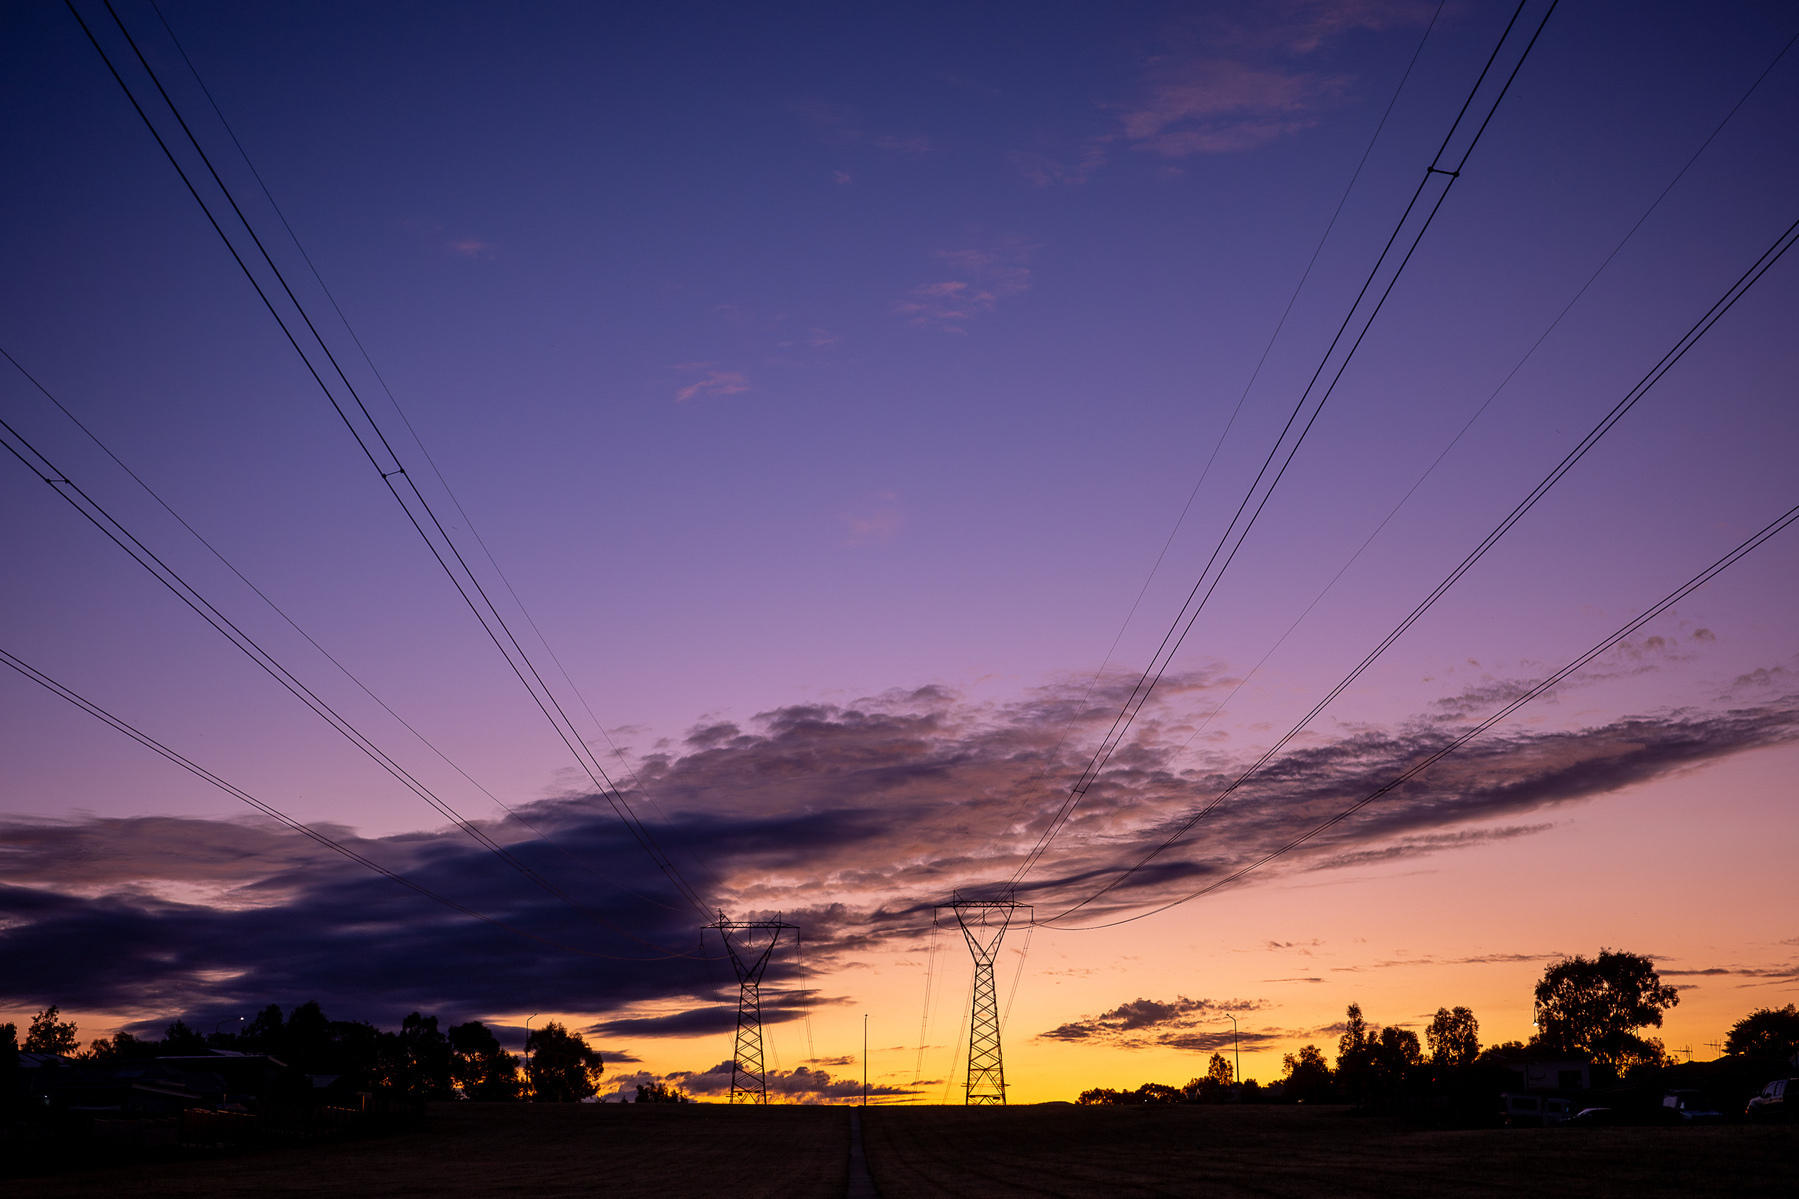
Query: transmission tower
[749,1078]
[984,923]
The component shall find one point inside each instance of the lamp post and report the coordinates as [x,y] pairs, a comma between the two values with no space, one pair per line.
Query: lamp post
[1236,1049]
[530,1082]
[221,1023]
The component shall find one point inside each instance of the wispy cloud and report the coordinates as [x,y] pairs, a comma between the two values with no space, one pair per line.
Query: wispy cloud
[1230,80]
[876,523]
[711,381]
[980,279]
[852,818]
[470,247]
[1219,105]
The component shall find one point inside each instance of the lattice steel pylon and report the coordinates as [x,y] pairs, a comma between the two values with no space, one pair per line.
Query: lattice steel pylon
[749,1078]
[984,923]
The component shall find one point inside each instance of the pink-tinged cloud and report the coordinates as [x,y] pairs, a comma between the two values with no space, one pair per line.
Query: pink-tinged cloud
[987,276]
[1043,170]
[711,382]
[1302,26]
[877,524]
[1219,105]
[470,247]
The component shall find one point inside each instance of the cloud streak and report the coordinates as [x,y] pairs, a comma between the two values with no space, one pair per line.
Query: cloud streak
[852,819]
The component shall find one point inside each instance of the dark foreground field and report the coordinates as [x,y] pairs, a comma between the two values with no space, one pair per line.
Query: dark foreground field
[1316,1153]
[671,1152]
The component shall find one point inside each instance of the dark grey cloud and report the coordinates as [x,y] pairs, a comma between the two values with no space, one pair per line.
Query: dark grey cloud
[852,820]
[1140,1023]
[802,1084]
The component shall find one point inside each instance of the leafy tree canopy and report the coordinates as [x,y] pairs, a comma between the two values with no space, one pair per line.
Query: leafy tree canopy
[1592,1008]
[1453,1038]
[657,1092]
[1308,1078]
[1766,1032]
[50,1035]
[563,1069]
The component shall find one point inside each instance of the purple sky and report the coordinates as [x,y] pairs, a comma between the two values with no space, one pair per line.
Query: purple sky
[790,361]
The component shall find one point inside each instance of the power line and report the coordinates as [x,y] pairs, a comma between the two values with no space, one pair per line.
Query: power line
[411,431]
[1742,550]
[97,515]
[1444,170]
[1230,423]
[155,746]
[467,585]
[1687,341]
[1485,404]
[282,613]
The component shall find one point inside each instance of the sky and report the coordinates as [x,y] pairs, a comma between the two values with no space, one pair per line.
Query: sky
[840,404]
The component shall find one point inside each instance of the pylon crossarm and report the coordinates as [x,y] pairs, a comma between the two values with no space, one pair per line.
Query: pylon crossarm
[749,1075]
[983,924]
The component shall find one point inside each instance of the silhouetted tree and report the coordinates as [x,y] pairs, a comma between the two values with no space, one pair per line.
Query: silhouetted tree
[480,1066]
[120,1047]
[1395,1052]
[1355,1055]
[562,1067]
[657,1092]
[1453,1037]
[1098,1096]
[1593,1007]
[50,1035]
[265,1033]
[1766,1032]
[415,1061]
[9,1066]
[1308,1078]
[1505,1051]
[1218,1071]
[307,1041]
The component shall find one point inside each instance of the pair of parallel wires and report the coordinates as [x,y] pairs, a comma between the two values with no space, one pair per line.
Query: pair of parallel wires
[1440,176]
[103,520]
[379,452]
[1734,293]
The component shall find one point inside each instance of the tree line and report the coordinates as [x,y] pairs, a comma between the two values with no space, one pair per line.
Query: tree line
[1592,1010]
[417,1061]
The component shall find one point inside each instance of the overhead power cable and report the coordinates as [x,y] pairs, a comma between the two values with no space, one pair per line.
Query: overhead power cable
[1445,168]
[455,501]
[1205,471]
[291,623]
[96,514]
[273,813]
[1493,395]
[380,454]
[1663,365]
[1742,550]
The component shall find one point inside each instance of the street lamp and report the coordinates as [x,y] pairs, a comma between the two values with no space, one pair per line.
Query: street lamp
[1236,1050]
[529,1081]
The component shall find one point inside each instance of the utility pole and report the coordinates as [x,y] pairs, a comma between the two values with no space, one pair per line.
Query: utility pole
[1236,1049]
[530,1083]
[864,1059]
[749,1078]
[983,923]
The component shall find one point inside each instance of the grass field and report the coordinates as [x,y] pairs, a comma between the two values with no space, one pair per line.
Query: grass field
[672,1152]
[1316,1153]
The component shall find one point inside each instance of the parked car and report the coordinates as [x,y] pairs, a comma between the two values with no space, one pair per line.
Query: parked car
[1533,1111]
[1695,1107]
[1772,1104]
